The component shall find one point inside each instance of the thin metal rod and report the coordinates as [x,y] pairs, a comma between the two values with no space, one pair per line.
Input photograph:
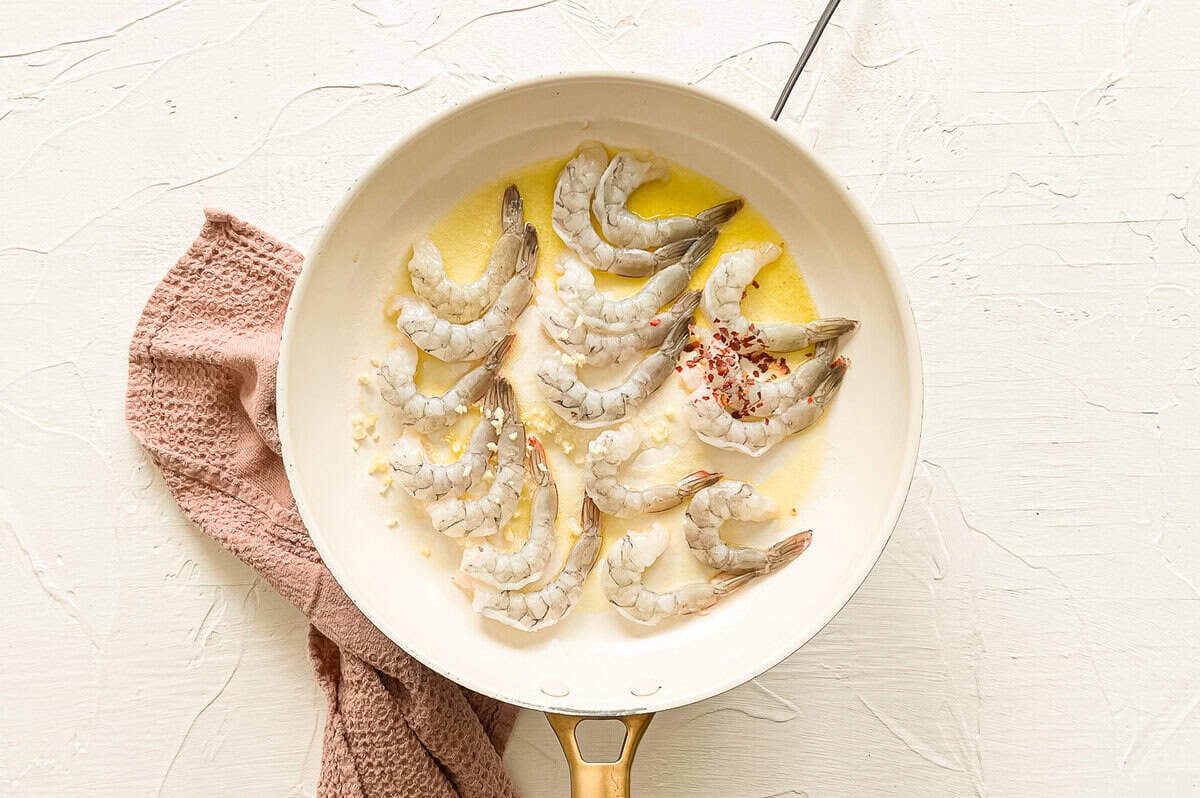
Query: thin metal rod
[804,56]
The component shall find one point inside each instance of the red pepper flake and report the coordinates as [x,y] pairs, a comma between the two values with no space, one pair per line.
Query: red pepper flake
[810,400]
[754,283]
[679,369]
[655,322]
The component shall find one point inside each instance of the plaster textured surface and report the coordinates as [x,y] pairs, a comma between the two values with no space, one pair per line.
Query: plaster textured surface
[1033,628]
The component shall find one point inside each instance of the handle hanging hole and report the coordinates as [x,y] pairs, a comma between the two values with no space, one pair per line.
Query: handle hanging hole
[600,739]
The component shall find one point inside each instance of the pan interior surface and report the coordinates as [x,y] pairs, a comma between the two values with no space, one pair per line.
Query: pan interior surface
[598,663]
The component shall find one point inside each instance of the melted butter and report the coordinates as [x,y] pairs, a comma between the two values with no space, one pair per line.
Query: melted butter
[465,236]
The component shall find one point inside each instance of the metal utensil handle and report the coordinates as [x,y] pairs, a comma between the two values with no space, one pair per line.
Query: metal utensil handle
[804,56]
[599,779]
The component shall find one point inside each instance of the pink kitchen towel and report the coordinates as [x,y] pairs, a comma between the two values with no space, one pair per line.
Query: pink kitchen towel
[201,399]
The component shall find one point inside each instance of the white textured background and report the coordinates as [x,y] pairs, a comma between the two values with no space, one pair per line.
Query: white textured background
[1033,629]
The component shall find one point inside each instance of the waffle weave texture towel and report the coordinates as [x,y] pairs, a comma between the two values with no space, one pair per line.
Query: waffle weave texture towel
[201,400]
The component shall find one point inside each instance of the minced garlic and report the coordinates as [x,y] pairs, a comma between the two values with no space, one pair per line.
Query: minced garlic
[362,425]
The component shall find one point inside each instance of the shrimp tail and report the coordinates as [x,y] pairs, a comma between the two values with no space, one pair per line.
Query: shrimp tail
[490,400]
[833,327]
[723,584]
[503,397]
[512,209]
[826,349]
[697,481]
[686,304]
[537,462]
[671,253]
[698,249]
[589,516]
[677,338]
[785,551]
[718,215]
[829,386]
[589,521]
[527,260]
[497,353]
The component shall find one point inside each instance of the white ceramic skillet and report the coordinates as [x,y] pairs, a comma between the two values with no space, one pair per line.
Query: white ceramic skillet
[598,664]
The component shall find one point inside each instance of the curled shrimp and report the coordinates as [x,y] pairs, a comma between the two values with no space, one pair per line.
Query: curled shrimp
[463,302]
[612,449]
[431,482]
[541,609]
[485,515]
[630,557]
[449,341]
[736,501]
[429,413]
[577,288]
[625,228]
[572,333]
[512,570]
[753,392]
[713,423]
[572,220]
[588,407]
[723,305]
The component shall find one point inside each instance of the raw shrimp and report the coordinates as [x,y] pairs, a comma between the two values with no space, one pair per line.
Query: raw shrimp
[723,305]
[463,302]
[736,501]
[431,482]
[625,228]
[572,334]
[752,393]
[572,220]
[577,288]
[541,609]
[607,453]
[714,425]
[512,570]
[599,407]
[485,515]
[429,413]
[632,555]
[448,341]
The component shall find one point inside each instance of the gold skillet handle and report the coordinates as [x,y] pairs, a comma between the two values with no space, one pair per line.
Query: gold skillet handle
[599,779]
